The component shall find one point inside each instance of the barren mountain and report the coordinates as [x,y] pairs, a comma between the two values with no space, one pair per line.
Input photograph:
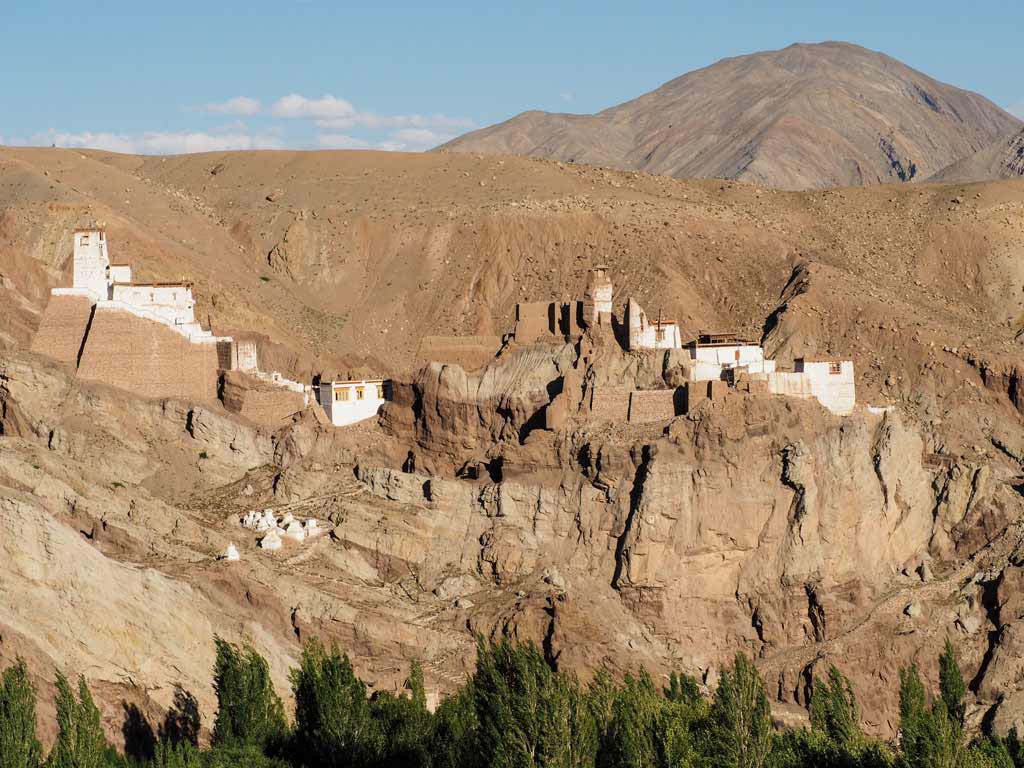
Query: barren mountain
[1002,160]
[806,117]
[764,525]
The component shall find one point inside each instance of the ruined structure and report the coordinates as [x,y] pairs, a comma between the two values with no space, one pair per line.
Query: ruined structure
[644,334]
[704,368]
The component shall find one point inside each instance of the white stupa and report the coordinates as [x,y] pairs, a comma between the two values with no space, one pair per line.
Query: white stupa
[231,553]
[271,541]
[294,530]
[312,529]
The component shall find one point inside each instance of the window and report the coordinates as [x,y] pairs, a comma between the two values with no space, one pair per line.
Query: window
[341,395]
[659,334]
[359,393]
[835,368]
[85,239]
[380,391]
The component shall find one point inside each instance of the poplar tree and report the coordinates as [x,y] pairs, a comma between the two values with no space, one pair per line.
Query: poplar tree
[741,726]
[19,747]
[249,712]
[334,725]
[405,723]
[834,709]
[453,741]
[80,739]
[951,684]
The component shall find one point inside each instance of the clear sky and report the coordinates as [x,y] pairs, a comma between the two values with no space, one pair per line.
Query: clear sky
[190,76]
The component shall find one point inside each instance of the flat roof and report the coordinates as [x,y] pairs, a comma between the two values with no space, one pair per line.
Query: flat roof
[155,285]
[722,339]
[357,381]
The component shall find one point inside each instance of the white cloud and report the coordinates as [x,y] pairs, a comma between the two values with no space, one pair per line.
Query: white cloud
[240,105]
[341,141]
[161,143]
[335,116]
[325,108]
[567,96]
[421,137]
[373,120]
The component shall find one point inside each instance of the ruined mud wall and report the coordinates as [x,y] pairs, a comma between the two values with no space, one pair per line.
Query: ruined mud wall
[259,402]
[62,328]
[153,361]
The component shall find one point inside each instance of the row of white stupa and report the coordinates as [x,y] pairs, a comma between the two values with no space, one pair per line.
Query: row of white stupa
[274,530]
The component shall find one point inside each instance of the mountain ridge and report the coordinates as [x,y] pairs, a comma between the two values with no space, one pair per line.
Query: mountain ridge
[806,116]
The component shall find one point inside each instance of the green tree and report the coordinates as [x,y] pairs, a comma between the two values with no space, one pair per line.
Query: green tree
[523,708]
[80,739]
[683,688]
[168,754]
[951,683]
[834,709]
[405,723]
[334,725]
[913,713]
[631,737]
[453,740]
[674,733]
[249,712]
[19,747]
[571,740]
[990,752]
[741,726]
[601,695]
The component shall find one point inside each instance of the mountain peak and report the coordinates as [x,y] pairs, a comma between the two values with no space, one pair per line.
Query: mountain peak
[810,115]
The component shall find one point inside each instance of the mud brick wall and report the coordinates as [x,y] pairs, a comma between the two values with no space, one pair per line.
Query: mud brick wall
[607,404]
[470,352]
[270,407]
[148,358]
[652,405]
[258,401]
[63,327]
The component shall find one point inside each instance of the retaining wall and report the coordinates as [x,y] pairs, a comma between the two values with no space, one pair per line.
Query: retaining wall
[148,358]
[63,328]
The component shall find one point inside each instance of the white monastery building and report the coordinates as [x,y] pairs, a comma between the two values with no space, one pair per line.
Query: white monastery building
[830,382]
[712,353]
[110,286]
[349,402]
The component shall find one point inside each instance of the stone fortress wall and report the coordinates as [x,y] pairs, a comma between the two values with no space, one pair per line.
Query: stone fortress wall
[63,327]
[131,352]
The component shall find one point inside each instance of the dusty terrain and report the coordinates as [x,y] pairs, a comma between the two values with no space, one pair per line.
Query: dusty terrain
[805,117]
[763,525]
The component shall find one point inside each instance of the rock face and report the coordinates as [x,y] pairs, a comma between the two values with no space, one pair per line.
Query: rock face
[759,523]
[808,116]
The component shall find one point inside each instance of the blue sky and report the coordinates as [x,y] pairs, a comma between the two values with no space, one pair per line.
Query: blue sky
[192,76]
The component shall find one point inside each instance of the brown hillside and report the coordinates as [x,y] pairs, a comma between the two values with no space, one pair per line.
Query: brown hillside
[764,525]
[805,117]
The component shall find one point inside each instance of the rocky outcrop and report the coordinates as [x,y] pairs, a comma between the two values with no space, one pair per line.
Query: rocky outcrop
[456,415]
